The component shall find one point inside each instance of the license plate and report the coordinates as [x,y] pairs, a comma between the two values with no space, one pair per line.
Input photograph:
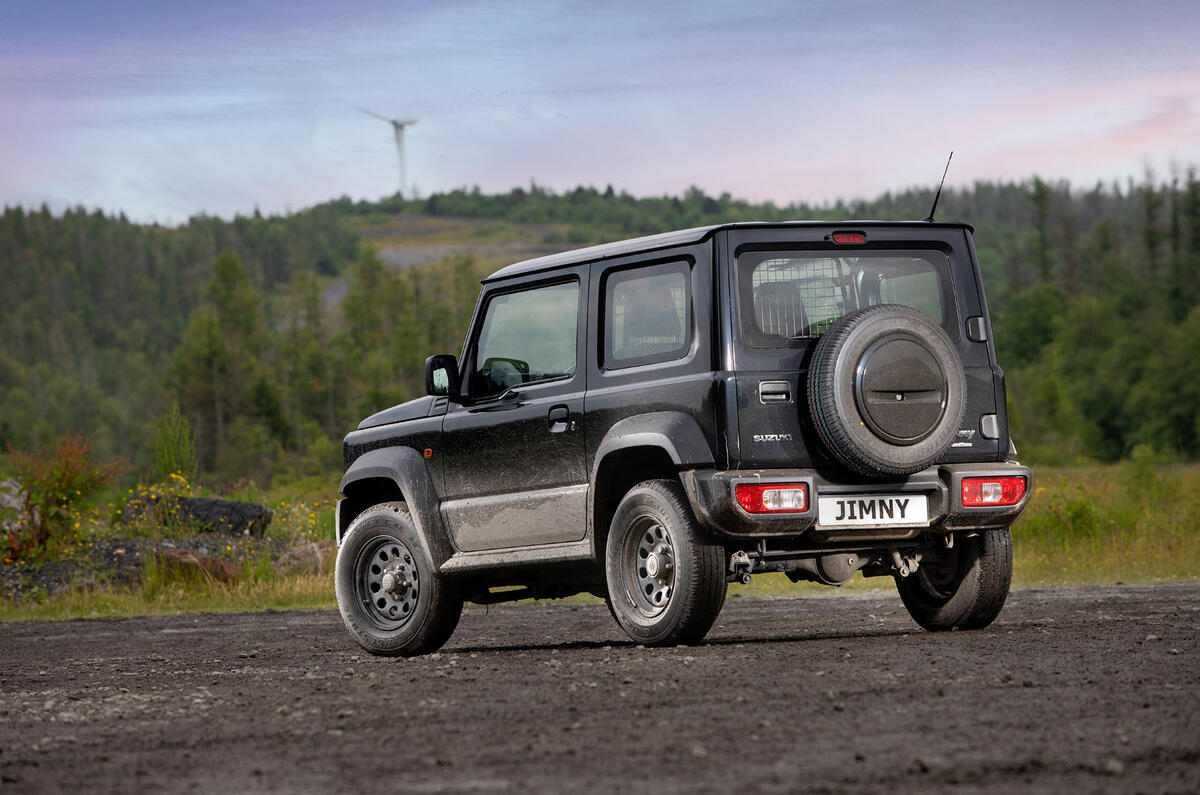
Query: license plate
[873,510]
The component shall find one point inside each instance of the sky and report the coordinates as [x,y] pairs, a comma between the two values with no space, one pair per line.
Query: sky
[163,110]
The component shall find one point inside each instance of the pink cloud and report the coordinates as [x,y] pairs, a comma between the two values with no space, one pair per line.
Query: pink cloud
[1065,99]
[1161,129]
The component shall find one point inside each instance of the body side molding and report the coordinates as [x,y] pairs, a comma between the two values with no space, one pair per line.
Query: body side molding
[500,559]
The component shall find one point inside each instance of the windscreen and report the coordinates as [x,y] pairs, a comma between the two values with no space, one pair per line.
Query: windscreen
[787,298]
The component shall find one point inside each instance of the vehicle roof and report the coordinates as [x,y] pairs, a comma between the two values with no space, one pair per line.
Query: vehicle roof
[682,237]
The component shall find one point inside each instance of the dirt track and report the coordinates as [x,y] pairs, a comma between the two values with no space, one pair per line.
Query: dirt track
[1086,689]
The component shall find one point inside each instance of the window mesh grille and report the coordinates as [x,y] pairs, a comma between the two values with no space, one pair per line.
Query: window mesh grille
[800,297]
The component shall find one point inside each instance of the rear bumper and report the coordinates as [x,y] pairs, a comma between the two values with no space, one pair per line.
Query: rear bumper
[711,494]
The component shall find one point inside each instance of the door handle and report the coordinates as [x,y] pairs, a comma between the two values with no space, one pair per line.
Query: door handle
[774,392]
[558,417]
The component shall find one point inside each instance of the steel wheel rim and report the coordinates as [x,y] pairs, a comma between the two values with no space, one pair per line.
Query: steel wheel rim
[648,560]
[386,582]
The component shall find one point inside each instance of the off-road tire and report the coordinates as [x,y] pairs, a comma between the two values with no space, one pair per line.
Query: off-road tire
[437,607]
[659,509]
[967,590]
[836,397]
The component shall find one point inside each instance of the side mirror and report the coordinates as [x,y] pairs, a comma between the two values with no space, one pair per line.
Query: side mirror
[441,375]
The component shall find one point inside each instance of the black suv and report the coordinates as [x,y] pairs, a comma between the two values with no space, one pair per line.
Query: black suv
[651,419]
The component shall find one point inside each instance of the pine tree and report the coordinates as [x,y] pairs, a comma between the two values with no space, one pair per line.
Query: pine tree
[217,373]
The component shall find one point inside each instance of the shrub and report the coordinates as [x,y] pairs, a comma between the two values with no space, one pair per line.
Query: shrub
[53,483]
[174,445]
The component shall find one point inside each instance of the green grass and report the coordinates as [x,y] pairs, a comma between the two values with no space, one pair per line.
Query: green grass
[161,592]
[1131,522]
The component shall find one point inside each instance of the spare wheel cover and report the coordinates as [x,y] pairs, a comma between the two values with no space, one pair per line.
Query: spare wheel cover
[887,392]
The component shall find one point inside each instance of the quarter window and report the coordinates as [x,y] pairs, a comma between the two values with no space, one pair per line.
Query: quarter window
[648,315]
[527,337]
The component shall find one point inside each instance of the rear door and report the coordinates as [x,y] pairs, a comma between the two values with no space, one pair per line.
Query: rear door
[787,286]
[651,345]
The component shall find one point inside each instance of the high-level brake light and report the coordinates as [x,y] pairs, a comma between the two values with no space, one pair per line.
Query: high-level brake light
[849,238]
[998,491]
[773,497]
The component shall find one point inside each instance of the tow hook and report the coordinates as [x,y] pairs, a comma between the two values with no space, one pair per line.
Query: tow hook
[739,567]
[905,564]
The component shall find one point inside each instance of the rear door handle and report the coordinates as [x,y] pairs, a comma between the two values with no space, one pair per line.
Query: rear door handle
[774,392]
[559,416]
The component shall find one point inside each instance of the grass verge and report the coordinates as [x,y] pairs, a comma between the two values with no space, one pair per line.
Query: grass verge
[1133,522]
[163,592]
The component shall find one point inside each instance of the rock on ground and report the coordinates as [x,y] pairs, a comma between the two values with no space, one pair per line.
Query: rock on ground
[314,558]
[243,518]
[11,504]
[228,516]
[187,560]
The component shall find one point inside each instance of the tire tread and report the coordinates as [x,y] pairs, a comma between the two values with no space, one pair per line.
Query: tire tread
[981,593]
[703,602]
[441,617]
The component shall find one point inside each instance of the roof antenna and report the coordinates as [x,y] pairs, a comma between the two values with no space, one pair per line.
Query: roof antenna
[938,195]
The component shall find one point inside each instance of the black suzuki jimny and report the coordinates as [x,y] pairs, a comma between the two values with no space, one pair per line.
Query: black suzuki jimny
[652,419]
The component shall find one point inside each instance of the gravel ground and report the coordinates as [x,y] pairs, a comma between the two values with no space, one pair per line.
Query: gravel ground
[1092,689]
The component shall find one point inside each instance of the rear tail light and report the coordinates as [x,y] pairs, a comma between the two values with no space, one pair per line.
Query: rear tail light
[773,497]
[979,492]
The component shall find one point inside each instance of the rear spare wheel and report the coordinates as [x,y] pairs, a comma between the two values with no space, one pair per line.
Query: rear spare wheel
[886,391]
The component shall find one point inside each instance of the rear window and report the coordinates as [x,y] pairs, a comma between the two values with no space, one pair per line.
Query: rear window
[787,298]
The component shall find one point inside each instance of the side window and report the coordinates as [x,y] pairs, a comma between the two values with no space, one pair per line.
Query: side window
[647,315]
[526,337]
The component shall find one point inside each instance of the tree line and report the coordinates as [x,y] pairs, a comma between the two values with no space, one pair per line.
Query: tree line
[107,324]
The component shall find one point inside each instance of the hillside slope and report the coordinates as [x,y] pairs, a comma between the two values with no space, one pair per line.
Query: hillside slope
[279,332]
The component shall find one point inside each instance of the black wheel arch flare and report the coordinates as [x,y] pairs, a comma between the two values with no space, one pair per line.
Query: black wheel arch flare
[375,476]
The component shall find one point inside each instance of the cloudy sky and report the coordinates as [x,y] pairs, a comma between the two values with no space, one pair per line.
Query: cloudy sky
[165,109]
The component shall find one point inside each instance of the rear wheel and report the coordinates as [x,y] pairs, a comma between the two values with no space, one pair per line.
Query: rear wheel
[965,588]
[390,596]
[666,582]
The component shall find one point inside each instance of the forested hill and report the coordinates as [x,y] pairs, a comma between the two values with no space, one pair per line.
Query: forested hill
[275,334]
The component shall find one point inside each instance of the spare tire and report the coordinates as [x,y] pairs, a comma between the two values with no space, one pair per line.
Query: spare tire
[886,391]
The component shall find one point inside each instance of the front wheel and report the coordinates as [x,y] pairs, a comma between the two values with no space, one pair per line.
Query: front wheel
[390,596]
[965,587]
[666,582]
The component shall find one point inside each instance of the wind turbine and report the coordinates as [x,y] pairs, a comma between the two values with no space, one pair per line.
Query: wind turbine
[398,126]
